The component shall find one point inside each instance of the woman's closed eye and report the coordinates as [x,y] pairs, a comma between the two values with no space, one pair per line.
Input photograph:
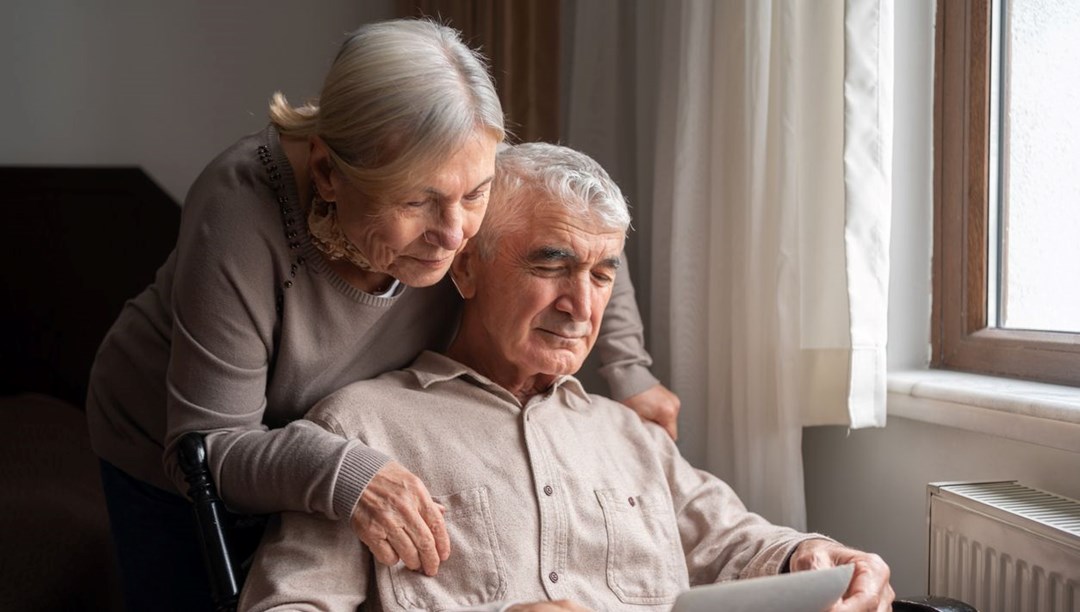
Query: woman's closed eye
[475,195]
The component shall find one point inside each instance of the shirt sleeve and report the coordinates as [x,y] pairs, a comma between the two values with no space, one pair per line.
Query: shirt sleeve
[621,343]
[222,345]
[721,539]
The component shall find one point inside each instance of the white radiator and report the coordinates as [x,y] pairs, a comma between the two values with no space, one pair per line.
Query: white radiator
[1004,547]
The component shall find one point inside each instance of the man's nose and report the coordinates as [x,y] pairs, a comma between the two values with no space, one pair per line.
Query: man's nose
[448,232]
[576,299]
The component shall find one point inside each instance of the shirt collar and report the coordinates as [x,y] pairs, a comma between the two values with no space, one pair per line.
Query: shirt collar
[431,368]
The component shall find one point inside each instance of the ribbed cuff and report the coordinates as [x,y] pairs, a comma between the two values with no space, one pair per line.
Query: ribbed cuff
[628,380]
[357,468]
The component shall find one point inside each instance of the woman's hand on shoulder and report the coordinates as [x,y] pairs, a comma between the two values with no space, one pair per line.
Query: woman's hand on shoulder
[659,405]
[397,520]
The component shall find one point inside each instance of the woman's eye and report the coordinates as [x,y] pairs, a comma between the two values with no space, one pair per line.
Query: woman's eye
[416,203]
[474,196]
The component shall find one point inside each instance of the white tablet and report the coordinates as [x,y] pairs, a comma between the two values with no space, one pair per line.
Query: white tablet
[809,591]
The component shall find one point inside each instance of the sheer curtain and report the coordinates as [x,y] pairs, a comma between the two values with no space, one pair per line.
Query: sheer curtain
[768,223]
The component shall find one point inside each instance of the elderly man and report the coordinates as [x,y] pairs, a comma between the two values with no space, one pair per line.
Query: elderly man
[551,495]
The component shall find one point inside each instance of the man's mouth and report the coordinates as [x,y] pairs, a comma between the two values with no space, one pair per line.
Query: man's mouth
[566,335]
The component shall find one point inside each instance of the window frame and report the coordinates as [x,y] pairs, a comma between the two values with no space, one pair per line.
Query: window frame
[960,336]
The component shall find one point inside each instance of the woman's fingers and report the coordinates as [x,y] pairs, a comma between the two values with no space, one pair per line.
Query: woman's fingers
[397,519]
[433,518]
[658,404]
[422,538]
[384,553]
[402,544]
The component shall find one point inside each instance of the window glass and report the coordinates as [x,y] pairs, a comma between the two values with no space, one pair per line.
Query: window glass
[1035,166]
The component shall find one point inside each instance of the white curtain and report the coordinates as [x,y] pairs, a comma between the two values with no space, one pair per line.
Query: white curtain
[768,223]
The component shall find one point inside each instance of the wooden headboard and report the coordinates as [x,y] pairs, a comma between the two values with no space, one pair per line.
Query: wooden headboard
[78,243]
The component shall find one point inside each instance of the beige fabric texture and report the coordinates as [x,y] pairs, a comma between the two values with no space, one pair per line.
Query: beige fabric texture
[570,496]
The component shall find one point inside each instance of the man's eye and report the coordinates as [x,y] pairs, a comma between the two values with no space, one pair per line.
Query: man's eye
[474,196]
[416,203]
[602,277]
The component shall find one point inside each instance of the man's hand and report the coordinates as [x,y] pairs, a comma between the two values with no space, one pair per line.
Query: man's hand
[397,519]
[659,405]
[561,605]
[869,589]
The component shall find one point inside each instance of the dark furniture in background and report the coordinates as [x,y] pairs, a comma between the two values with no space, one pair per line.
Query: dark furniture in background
[79,242]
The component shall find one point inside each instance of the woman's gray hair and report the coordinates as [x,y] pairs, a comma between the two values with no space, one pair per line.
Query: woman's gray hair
[533,174]
[400,98]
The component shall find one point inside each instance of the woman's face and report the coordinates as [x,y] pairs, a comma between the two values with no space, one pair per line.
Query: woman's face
[414,239]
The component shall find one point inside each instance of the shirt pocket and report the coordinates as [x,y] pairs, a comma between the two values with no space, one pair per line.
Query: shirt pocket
[473,574]
[644,553]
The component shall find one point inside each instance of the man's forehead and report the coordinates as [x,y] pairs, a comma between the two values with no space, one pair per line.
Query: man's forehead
[554,231]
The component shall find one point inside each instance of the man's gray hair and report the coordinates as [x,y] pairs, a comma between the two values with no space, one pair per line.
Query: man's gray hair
[400,98]
[536,173]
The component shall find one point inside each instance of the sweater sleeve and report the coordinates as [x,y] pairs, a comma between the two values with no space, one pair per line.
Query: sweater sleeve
[621,343]
[222,348]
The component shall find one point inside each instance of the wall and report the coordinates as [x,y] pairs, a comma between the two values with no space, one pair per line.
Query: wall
[163,85]
[868,487]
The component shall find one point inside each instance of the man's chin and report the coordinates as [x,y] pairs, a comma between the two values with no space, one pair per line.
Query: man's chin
[564,365]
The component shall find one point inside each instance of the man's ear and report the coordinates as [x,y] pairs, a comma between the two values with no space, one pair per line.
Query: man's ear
[463,271]
[321,167]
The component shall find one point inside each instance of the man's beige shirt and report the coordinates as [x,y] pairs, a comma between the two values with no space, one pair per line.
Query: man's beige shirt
[569,496]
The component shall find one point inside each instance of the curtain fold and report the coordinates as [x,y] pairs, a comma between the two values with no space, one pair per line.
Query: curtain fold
[770,224]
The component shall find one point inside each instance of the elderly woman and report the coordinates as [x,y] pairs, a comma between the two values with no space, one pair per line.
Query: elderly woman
[311,255]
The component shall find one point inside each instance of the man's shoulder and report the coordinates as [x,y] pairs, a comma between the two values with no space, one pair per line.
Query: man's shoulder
[365,398]
[620,416]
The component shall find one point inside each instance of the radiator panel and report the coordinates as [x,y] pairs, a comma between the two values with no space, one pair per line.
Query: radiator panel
[1004,547]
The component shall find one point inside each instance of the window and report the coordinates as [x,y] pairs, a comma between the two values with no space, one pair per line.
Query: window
[1007,189]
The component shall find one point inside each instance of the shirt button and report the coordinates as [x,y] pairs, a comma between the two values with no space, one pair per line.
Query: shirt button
[548,490]
[553,577]
[631,500]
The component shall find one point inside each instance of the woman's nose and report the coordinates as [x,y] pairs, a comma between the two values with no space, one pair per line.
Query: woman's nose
[448,239]
[449,233]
